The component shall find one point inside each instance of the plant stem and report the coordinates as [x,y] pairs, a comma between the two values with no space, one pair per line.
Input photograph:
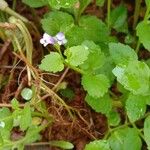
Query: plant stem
[147,14]
[13,13]
[136,12]
[108,12]
[139,132]
[14,4]
[114,129]
[138,47]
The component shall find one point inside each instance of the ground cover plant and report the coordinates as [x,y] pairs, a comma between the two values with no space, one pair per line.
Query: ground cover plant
[74,74]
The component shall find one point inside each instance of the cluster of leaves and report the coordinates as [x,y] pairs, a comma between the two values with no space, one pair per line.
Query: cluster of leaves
[23,119]
[100,59]
[28,122]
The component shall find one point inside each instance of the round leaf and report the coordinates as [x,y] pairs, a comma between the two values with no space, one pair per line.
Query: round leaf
[95,85]
[102,104]
[98,145]
[52,63]
[136,107]
[76,55]
[27,93]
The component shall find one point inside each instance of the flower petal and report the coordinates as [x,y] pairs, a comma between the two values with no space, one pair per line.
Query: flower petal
[60,36]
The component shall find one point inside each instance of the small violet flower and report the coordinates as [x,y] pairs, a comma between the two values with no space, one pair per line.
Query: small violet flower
[59,38]
[47,39]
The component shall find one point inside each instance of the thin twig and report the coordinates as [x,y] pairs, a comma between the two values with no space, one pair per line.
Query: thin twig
[7,25]
[61,78]
[10,105]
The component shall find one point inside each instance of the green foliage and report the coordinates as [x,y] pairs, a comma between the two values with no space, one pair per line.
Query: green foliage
[96,58]
[6,123]
[122,54]
[102,105]
[35,4]
[113,76]
[76,55]
[52,62]
[95,85]
[62,3]
[57,21]
[136,107]
[147,3]
[143,30]
[134,77]
[113,118]
[98,145]
[118,19]
[26,118]
[68,93]
[125,139]
[147,131]
[90,28]
[107,68]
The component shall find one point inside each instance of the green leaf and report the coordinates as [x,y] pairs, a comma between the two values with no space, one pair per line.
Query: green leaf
[134,77]
[107,68]
[76,55]
[113,118]
[98,145]
[15,103]
[57,21]
[122,54]
[1,140]
[147,3]
[147,131]
[35,4]
[6,123]
[100,2]
[83,5]
[57,4]
[118,19]
[102,105]
[143,32]
[32,134]
[62,144]
[95,85]
[96,58]
[136,107]
[26,118]
[68,93]
[52,63]
[26,93]
[125,139]
[90,28]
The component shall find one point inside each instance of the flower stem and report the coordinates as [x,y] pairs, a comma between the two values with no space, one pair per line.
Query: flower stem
[108,12]
[136,12]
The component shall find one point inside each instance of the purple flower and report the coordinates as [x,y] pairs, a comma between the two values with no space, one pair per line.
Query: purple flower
[60,38]
[47,39]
